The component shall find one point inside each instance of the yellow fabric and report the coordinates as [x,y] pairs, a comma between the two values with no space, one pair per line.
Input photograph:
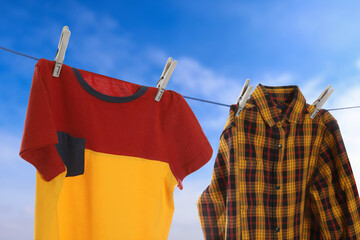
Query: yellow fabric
[117,197]
[46,197]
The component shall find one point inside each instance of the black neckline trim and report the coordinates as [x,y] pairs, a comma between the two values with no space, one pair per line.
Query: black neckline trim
[104,97]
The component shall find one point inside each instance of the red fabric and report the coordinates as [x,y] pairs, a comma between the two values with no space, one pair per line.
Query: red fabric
[185,140]
[165,131]
[39,136]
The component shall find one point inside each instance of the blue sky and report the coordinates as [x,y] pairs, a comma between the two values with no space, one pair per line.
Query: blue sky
[217,45]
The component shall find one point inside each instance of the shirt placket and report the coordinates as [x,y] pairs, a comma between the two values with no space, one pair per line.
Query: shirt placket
[278,139]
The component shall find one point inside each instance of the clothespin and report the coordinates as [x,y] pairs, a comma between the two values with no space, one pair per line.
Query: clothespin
[165,77]
[60,54]
[244,95]
[320,101]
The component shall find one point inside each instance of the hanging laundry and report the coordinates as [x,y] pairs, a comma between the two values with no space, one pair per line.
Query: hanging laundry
[107,155]
[279,174]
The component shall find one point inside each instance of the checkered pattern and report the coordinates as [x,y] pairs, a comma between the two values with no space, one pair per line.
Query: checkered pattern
[280,175]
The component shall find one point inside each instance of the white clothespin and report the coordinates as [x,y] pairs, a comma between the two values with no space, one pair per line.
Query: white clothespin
[60,54]
[320,101]
[244,95]
[165,77]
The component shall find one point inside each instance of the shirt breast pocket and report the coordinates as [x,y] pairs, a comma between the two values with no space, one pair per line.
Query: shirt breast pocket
[72,152]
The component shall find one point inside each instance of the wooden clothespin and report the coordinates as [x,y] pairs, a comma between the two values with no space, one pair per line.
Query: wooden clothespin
[244,95]
[60,54]
[320,101]
[165,76]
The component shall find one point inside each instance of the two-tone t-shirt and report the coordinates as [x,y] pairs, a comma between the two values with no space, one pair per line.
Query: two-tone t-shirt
[107,155]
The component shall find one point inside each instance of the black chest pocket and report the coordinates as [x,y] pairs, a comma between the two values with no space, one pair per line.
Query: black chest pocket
[72,153]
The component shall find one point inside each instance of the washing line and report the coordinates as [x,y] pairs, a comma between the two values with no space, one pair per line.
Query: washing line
[192,98]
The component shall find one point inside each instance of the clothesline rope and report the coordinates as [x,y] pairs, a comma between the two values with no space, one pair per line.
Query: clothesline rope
[192,98]
[21,54]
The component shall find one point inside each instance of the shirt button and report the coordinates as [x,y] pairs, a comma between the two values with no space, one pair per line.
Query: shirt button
[277,229]
[277,187]
[279,146]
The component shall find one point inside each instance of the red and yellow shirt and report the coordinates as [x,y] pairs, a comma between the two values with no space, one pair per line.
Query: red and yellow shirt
[107,155]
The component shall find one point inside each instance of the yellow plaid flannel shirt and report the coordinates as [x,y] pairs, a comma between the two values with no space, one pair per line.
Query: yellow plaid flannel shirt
[280,175]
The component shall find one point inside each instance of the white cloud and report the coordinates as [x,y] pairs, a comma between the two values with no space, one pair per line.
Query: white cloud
[216,122]
[357,64]
[103,51]
[112,51]
[186,223]
[312,88]
[16,222]
[281,79]
[9,148]
[191,78]
[348,122]
[156,56]
[16,229]
[198,80]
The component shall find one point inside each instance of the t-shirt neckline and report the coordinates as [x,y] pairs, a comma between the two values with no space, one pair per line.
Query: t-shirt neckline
[105,97]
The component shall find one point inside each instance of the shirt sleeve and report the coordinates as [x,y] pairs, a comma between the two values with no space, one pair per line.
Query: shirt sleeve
[187,146]
[39,135]
[212,202]
[333,192]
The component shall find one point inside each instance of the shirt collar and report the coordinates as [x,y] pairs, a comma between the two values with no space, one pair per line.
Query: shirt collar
[267,99]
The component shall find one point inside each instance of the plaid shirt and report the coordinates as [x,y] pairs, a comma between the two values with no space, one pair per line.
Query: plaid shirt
[280,175]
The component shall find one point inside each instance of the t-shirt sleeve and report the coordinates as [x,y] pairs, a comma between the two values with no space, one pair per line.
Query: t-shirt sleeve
[188,148]
[39,135]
